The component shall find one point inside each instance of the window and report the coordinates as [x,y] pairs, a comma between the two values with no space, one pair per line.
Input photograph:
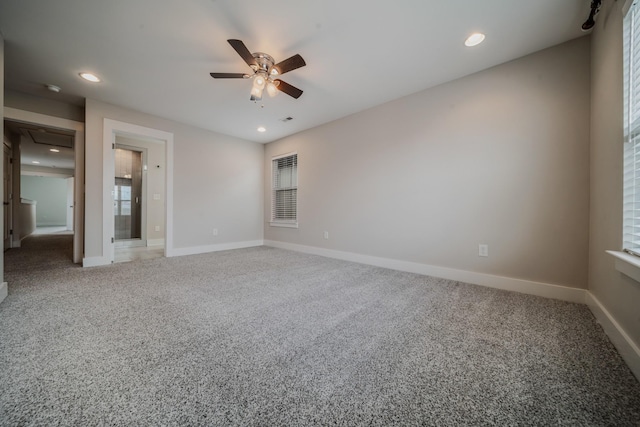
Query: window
[122,197]
[631,194]
[284,194]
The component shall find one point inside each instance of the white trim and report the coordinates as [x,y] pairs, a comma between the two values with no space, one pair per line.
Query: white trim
[79,149]
[194,250]
[280,156]
[627,264]
[155,242]
[627,5]
[546,290]
[95,261]
[4,291]
[283,224]
[629,351]
[111,128]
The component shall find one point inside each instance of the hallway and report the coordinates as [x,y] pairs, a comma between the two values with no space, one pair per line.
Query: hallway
[39,252]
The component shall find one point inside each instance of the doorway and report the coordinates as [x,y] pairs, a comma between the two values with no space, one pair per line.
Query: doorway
[7,190]
[53,128]
[157,193]
[128,200]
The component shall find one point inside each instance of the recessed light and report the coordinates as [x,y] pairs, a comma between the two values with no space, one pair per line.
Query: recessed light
[53,88]
[90,77]
[35,162]
[54,150]
[474,39]
[262,129]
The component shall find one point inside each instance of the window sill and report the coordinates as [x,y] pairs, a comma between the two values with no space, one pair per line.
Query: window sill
[284,224]
[626,264]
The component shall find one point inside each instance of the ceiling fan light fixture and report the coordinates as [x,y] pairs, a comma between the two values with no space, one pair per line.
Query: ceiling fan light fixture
[256,92]
[260,81]
[264,69]
[474,39]
[272,90]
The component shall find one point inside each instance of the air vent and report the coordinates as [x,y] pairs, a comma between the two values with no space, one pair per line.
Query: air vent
[286,119]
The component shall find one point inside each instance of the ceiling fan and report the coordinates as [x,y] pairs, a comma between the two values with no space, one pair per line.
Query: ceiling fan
[264,71]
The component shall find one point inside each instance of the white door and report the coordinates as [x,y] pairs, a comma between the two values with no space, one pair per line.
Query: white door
[70,187]
[6,200]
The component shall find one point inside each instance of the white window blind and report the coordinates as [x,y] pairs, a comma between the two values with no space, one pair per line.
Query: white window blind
[284,198]
[631,194]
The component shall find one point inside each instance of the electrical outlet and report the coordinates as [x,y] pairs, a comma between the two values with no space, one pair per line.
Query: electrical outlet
[215,231]
[157,228]
[326,235]
[483,250]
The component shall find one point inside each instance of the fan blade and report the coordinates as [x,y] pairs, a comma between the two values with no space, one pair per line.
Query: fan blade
[229,75]
[288,89]
[292,63]
[243,52]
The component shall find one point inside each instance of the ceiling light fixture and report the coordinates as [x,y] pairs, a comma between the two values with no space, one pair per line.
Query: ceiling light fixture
[90,77]
[264,69]
[53,88]
[474,39]
[262,129]
[54,150]
[35,162]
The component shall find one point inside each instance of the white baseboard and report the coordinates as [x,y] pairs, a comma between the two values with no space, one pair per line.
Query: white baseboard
[95,261]
[547,290]
[155,242]
[194,250]
[620,339]
[4,291]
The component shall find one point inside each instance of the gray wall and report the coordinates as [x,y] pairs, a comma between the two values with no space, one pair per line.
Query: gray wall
[499,157]
[51,197]
[217,181]
[49,107]
[619,294]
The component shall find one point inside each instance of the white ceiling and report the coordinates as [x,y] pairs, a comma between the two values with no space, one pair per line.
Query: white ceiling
[155,56]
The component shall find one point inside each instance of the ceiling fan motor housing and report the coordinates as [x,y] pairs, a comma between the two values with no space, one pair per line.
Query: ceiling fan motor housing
[265,62]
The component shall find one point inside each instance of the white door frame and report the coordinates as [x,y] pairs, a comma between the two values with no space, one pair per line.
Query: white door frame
[111,129]
[78,148]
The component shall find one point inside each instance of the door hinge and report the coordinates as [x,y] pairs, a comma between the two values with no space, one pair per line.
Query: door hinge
[10,160]
[112,241]
[10,232]
[113,146]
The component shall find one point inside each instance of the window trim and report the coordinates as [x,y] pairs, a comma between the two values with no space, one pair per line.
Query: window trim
[286,223]
[626,263]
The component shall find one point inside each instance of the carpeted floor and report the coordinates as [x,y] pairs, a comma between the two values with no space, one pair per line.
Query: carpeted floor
[263,336]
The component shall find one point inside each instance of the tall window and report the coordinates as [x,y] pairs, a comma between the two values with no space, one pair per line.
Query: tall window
[631,195]
[284,194]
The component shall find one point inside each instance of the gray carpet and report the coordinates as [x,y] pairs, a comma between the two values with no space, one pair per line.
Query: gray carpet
[264,336]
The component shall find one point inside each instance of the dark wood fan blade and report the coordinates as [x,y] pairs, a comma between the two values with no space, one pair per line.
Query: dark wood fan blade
[228,75]
[289,64]
[288,89]
[243,52]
